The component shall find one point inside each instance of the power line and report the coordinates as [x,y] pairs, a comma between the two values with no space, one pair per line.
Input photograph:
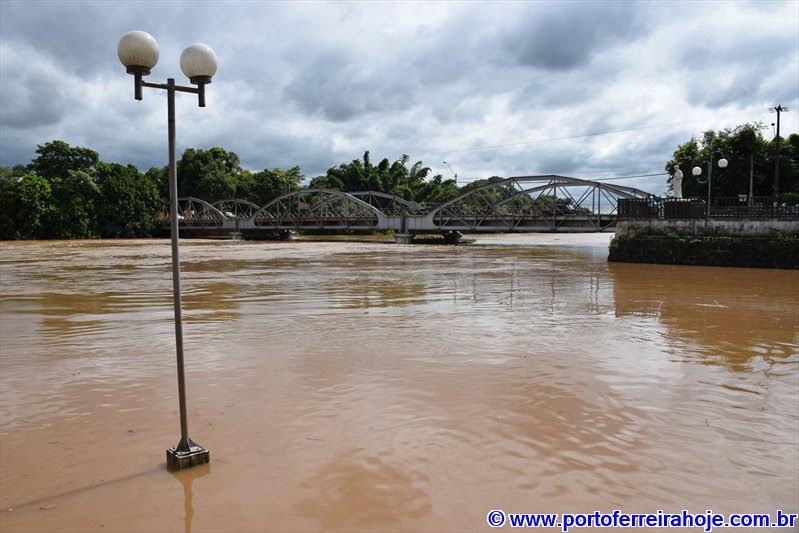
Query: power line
[603,179]
[592,134]
[629,177]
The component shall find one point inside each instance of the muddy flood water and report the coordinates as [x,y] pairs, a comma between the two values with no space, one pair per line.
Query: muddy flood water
[365,386]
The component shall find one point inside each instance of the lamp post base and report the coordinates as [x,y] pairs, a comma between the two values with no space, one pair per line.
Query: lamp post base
[179,459]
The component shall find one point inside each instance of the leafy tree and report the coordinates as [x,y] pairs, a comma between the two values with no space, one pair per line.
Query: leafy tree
[74,210]
[27,207]
[410,183]
[160,176]
[266,185]
[327,182]
[8,206]
[208,174]
[56,158]
[17,171]
[438,190]
[742,146]
[789,167]
[128,201]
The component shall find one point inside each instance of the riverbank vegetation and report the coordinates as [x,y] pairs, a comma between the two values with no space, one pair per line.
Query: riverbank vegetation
[745,149]
[67,192]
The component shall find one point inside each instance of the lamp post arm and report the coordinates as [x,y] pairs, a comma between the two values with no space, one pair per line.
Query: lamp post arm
[155,85]
[199,90]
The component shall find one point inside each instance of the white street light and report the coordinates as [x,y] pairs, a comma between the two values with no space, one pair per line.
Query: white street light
[697,171]
[138,51]
[198,63]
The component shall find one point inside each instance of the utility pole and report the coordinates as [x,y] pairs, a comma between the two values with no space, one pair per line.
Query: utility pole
[777,109]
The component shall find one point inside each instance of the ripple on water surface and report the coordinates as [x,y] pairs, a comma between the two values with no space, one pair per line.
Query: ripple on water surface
[370,386]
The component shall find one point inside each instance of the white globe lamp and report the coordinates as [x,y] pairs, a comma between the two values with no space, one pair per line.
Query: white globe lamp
[198,62]
[138,51]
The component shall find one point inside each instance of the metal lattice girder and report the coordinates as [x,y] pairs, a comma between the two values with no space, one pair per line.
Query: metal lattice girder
[388,204]
[193,212]
[514,203]
[318,209]
[237,208]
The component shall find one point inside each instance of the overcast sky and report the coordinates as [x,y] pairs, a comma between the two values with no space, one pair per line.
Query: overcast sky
[482,86]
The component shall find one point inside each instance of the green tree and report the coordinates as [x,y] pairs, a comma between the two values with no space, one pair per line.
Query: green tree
[410,183]
[26,206]
[56,158]
[17,171]
[211,175]
[74,213]
[266,185]
[8,206]
[326,182]
[437,190]
[128,201]
[160,176]
[744,147]
[789,167]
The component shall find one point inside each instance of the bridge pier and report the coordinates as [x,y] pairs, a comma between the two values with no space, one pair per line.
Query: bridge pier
[403,238]
[285,235]
[452,237]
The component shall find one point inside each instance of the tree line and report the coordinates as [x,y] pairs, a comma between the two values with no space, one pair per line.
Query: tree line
[746,150]
[67,192]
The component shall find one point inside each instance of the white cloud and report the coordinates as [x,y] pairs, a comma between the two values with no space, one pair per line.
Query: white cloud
[316,84]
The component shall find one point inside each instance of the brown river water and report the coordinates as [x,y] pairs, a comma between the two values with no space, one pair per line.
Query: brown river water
[366,386]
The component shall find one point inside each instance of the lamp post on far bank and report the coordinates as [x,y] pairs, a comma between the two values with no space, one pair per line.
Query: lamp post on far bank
[455,174]
[138,51]
[697,171]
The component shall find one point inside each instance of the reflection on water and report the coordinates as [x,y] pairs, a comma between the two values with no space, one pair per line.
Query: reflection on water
[733,319]
[186,478]
[367,386]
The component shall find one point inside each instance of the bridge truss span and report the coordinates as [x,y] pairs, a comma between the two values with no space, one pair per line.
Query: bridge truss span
[525,203]
[319,209]
[533,203]
[194,213]
[237,208]
[389,204]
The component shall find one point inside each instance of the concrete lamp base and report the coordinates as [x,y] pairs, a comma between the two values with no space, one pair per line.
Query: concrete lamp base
[178,460]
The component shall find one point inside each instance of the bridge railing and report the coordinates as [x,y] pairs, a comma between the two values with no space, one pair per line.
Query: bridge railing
[721,208]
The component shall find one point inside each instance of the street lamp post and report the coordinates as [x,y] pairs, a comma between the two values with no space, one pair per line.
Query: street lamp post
[138,51]
[455,174]
[697,171]
[777,109]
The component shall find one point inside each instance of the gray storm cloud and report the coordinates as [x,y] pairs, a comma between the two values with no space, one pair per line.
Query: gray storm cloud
[317,84]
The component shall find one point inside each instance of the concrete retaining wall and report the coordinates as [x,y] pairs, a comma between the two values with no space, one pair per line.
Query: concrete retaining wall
[703,227]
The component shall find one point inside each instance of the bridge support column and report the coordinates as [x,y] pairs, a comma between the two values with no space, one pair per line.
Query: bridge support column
[403,238]
[452,237]
[236,236]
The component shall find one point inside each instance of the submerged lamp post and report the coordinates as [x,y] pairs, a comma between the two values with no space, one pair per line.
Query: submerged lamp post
[138,51]
[697,171]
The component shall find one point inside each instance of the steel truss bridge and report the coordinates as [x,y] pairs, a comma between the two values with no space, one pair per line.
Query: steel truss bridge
[520,204]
